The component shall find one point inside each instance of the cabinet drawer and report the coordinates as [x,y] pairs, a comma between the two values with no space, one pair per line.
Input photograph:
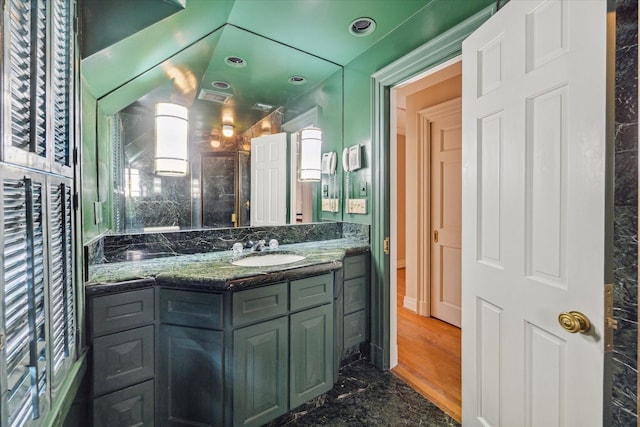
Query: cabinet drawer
[355,266]
[259,303]
[355,328]
[311,291]
[355,294]
[132,406]
[122,359]
[117,312]
[199,309]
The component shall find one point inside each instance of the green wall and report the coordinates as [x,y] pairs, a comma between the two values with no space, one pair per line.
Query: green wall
[96,163]
[353,116]
[432,20]
[327,96]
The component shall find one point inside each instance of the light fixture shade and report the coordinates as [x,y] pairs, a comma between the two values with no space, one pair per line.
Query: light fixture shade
[309,154]
[227,130]
[172,128]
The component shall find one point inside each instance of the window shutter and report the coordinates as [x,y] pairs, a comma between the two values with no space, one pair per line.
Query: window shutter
[61,73]
[61,283]
[19,52]
[24,298]
[26,58]
[39,78]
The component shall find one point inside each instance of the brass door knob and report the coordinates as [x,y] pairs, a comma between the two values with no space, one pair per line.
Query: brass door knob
[574,321]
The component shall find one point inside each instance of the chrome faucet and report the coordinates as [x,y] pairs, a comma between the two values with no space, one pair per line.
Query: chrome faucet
[257,246]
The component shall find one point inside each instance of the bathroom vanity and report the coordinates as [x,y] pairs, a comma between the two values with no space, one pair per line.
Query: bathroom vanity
[201,342]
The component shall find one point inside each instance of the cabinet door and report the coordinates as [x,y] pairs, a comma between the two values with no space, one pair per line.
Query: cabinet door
[190,379]
[129,407]
[311,352]
[260,372]
[122,359]
[355,294]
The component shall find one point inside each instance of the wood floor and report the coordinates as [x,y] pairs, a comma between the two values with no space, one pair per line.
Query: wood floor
[429,356]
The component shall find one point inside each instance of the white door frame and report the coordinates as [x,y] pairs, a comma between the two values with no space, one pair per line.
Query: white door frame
[432,56]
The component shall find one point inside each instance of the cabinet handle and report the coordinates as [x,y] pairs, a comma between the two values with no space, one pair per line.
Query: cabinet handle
[435,236]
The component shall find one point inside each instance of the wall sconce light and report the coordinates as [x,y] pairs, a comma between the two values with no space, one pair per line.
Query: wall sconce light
[171,154]
[227,130]
[309,154]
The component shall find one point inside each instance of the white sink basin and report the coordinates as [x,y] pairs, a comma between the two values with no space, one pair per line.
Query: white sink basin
[267,260]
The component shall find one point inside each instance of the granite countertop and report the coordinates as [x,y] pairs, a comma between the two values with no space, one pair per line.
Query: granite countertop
[213,271]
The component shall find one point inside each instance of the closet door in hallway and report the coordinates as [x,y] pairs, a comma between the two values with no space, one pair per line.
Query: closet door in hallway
[442,131]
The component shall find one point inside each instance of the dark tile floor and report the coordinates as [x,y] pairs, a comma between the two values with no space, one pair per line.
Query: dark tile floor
[367,396]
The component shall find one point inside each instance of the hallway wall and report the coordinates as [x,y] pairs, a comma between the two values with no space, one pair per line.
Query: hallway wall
[428,97]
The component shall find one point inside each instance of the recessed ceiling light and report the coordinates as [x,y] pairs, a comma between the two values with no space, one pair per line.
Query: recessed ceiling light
[297,80]
[235,61]
[362,26]
[218,84]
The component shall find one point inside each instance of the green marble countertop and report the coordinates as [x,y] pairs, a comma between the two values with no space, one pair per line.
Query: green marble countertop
[213,271]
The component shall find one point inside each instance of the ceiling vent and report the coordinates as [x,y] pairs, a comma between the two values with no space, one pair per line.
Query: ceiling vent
[260,106]
[213,96]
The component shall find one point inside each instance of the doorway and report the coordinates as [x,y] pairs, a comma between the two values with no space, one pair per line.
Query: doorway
[427,210]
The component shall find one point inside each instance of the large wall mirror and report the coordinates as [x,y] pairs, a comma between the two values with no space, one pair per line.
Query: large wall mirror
[233,79]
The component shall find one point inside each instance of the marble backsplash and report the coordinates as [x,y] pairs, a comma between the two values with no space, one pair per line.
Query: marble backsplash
[131,247]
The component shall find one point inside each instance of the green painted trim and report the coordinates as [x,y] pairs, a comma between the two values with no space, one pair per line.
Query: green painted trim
[446,46]
[67,393]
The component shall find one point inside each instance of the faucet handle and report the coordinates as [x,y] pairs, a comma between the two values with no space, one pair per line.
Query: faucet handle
[237,249]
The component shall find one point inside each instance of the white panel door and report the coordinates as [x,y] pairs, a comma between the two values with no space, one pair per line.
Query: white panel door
[445,137]
[269,180]
[533,214]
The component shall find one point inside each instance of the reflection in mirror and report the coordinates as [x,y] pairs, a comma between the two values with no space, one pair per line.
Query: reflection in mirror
[254,100]
[224,194]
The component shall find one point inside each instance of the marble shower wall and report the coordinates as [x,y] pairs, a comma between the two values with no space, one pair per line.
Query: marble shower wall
[624,364]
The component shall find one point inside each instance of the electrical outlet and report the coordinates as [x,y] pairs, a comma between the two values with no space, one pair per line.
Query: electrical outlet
[357,206]
[363,189]
[330,205]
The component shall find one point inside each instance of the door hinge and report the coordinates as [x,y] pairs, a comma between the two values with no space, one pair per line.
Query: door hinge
[609,322]
[76,201]
[75,155]
[386,245]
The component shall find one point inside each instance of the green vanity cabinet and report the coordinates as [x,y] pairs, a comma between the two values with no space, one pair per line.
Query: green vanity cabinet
[191,354]
[283,362]
[171,356]
[190,376]
[311,338]
[123,358]
[355,295]
[260,353]
[260,372]
[311,354]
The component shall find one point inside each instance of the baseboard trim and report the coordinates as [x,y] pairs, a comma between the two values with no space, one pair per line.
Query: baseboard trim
[410,304]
